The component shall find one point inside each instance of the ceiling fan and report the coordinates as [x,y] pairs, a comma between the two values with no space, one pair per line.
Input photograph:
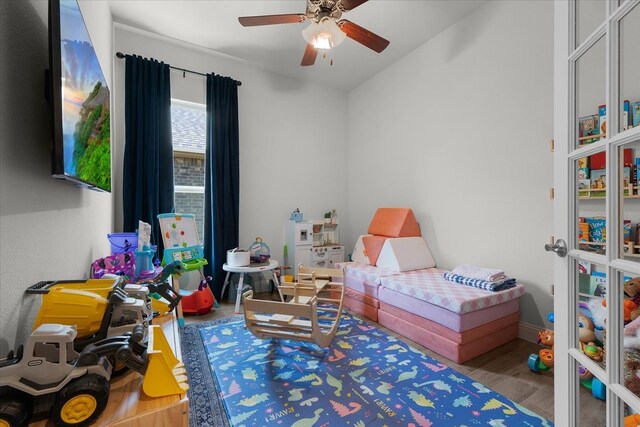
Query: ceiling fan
[326,29]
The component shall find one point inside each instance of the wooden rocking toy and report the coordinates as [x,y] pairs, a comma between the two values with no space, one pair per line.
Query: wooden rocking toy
[313,314]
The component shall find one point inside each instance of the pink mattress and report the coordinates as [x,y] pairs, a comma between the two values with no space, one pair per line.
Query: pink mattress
[360,303]
[457,352]
[455,321]
[366,272]
[361,286]
[430,286]
[460,337]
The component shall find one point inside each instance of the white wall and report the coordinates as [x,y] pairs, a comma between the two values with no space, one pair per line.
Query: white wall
[293,146]
[458,130]
[49,229]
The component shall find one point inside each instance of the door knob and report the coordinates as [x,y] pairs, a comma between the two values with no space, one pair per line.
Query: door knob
[559,247]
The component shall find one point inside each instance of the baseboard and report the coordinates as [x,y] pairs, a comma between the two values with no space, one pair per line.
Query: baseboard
[528,332]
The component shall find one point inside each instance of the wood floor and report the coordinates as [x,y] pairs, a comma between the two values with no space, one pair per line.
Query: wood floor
[503,369]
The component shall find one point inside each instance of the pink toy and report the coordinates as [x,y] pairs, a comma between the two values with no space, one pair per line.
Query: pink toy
[121,264]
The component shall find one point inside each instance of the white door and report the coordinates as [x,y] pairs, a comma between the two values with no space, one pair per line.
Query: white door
[597,211]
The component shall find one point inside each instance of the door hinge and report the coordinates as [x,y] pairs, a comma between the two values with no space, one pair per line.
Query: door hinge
[551,290]
[552,144]
[552,193]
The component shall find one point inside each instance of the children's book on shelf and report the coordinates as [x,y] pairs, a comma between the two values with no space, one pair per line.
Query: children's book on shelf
[588,126]
[598,284]
[634,174]
[602,113]
[626,106]
[598,161]
[598,182]
[626,179]
[597,230]
[583,231]
[584,184]
[627,231]
[636,113]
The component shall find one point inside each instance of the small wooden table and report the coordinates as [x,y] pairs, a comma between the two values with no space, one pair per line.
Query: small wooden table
[257,268]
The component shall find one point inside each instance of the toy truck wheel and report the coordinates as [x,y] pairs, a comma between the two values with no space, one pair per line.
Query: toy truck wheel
[14,411]
[81,401]
[138,333]
[124,353]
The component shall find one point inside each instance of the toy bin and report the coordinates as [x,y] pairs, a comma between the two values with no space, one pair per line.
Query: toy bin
[123,242]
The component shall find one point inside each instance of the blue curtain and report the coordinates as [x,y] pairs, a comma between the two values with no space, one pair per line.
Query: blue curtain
[222,176]
[148,153]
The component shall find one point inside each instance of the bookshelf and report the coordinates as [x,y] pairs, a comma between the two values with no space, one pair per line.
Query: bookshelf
[586,194]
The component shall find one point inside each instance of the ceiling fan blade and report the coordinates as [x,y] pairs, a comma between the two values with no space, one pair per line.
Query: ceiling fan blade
[288,18]
[352,4]
[363,36]
[309,57]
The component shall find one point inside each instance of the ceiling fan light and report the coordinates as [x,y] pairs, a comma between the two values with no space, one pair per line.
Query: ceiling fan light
[323,35]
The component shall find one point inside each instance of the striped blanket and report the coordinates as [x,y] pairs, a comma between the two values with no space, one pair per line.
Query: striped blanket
[481,284]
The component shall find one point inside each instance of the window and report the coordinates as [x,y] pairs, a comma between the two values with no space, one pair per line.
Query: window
[188,123]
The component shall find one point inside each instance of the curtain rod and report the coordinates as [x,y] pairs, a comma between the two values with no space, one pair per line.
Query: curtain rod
[184,70]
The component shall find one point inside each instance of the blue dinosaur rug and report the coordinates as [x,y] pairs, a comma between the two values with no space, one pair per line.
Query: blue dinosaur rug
[365,378]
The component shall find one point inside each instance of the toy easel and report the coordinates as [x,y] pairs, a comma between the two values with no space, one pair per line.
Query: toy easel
[181,243]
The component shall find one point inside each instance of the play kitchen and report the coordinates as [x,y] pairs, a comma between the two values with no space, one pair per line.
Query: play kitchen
[314,243]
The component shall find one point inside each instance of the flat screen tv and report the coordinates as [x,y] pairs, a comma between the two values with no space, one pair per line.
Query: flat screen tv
[79,96]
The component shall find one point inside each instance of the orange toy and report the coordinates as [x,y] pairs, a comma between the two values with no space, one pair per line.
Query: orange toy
[632,420]
[373,246]
[630,309]
[546,355]
[394,222]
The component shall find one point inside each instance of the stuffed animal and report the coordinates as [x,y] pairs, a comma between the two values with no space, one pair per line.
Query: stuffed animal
[598,311]
[632,420]
[589,343]
[632,334]
[586,332]
[632,290]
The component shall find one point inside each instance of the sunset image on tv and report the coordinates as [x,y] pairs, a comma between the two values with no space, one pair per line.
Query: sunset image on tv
[85,103]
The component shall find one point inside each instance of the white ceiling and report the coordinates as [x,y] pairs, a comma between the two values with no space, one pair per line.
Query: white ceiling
[407,24]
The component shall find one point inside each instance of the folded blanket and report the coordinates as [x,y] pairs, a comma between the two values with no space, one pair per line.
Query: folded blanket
[475,272]
[481,284]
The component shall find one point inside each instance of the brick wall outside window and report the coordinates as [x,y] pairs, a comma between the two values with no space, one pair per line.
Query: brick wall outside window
[190,171]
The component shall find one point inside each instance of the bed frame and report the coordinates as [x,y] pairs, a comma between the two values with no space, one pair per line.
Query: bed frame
[313,314]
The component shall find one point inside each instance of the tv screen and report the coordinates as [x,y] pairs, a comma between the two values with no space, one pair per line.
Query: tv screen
[80,101]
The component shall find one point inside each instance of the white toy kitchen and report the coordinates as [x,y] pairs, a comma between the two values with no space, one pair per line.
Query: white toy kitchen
[314,244]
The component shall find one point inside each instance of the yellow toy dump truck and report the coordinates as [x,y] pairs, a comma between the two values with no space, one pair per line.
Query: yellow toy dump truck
[99,308]
[48,375]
